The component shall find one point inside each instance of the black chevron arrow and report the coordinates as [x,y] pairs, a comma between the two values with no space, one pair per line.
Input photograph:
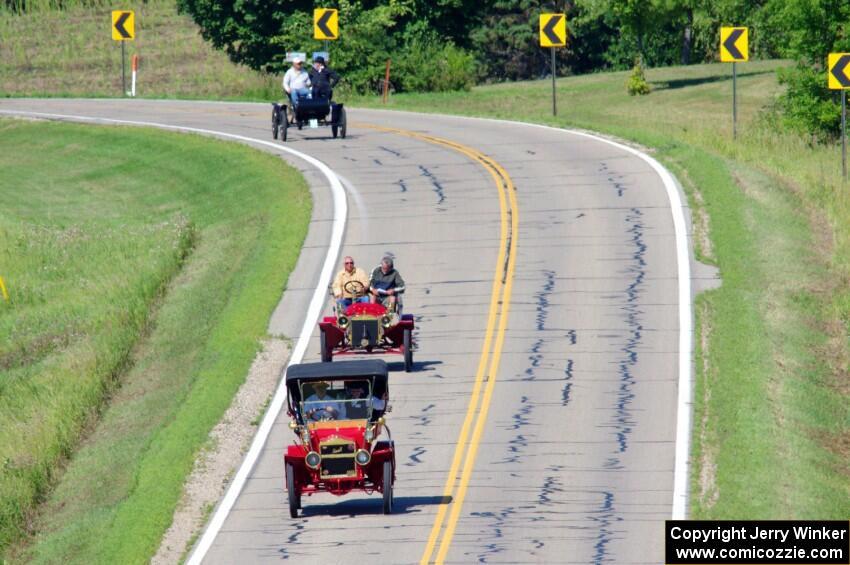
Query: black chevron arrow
[838,70]
[322,23]
[549,29]
[730,46]
[119,25]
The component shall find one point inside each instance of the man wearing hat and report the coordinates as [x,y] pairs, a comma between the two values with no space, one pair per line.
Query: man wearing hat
[324,79]
[321,406]
[296,82]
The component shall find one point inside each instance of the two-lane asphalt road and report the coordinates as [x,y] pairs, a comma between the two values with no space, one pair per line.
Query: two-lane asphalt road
[548,297]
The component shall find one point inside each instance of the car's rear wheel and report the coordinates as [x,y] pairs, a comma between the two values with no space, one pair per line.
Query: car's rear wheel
[327,354]
[275,121]
[408,350]
[284,126]
[342,124]
[388,487]
[292,492]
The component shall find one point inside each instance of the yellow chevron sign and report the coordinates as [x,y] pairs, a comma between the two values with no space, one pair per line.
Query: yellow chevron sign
[839,71]
[325,24]
[553,30]
[123,25]
[734,44]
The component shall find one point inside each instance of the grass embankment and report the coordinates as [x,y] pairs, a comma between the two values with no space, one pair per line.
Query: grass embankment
[142,268]
[772,423]
[70,52]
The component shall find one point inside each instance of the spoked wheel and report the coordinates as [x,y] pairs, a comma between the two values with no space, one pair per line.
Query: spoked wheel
[284,125]
[327,354]
[388,487]
[342,124]
[294,495]
[275,121]
[408,350]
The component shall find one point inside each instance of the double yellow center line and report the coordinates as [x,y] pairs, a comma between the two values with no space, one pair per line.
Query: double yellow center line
[468,441]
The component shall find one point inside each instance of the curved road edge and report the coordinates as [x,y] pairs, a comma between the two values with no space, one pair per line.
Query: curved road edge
[684,415]
[340,213]
[685,378]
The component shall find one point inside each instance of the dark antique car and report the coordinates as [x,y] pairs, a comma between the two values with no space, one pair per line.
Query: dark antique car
[311,113]
[367,328]
[337,412]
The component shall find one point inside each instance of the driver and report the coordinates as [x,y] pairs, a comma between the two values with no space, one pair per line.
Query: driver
[296,82]
[350,285]
[320,406]
[386,284]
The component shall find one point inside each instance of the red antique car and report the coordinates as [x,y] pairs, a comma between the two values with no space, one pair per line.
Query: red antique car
[337,415]
[367,328]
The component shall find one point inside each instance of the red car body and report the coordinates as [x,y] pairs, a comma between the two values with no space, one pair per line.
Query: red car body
[367,329]
[336,444]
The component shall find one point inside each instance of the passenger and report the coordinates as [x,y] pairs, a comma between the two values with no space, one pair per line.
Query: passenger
[323,78]
[386,284]
[296,82]
[320,406]
[358,407]
[350,285]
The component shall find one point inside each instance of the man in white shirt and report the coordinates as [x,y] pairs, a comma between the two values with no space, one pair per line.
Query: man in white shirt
[296,82]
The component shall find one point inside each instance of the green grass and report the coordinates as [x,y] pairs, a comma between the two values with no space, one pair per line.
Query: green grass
[772,422]
[71,53]
[142,268]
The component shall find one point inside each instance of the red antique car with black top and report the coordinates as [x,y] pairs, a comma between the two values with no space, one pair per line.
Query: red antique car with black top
[337,412]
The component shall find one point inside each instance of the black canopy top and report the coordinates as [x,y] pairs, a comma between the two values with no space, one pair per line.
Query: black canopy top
[375,370]
[337,370]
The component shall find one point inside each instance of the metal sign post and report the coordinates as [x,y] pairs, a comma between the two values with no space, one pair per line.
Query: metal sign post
[734,100]
[123,29]
[123,70]
[838,78]
[734,48]
[844,134]
[554,105]
[553,33]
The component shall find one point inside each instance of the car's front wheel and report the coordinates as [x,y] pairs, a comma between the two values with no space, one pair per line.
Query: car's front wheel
[388,487]
[292,492]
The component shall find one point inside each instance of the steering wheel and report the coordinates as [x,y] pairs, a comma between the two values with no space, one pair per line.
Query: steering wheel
[355,288]
[324,416]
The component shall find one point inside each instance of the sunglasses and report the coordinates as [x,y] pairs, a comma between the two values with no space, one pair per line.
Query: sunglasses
[349,262]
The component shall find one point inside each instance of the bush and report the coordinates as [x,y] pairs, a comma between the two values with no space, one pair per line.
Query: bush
[807,106]
[637,85]
[427,66]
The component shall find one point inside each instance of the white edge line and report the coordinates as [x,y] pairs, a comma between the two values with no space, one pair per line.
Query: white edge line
[684,402]
[313,312]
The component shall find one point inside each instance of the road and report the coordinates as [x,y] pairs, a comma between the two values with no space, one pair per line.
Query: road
[551,305]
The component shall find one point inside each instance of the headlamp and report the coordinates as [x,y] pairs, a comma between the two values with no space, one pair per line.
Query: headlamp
[386,321]
[342,322]
[313,459]
[362,457]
